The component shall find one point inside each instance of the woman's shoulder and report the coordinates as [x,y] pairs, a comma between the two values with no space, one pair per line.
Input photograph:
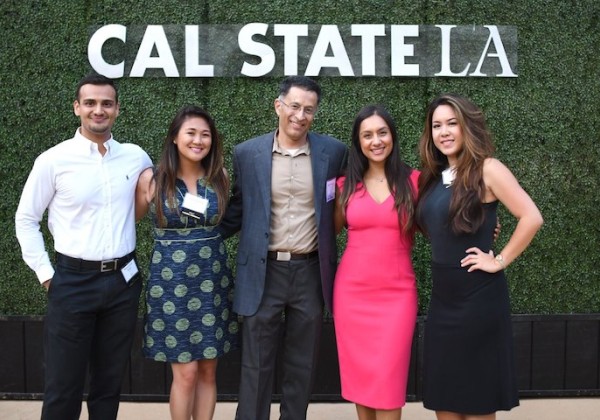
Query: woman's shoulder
[147,174]
[414,176]
[493,168]
[145,180]
[491,163]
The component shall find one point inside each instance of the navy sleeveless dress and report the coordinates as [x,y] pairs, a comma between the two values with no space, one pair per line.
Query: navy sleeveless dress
[189,294]
[468,355]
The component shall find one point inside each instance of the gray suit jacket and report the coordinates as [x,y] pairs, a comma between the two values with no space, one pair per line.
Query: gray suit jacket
[249,210]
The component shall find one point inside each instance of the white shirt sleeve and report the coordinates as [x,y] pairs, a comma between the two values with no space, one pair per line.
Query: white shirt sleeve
[37,195]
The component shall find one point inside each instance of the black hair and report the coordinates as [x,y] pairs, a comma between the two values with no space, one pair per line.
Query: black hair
[302,82]
[96,79]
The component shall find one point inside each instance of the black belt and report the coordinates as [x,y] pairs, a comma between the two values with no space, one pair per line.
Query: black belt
[288,256]
[101,266]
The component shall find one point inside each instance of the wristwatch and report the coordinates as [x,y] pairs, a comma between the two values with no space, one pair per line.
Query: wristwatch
[500,260]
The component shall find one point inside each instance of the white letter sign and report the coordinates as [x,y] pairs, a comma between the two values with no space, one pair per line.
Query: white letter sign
[154,37]
[273,50]
[95,58]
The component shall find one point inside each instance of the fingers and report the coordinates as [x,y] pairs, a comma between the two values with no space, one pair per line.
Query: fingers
[473,249]
[469,260]
[479,260]
[472,254]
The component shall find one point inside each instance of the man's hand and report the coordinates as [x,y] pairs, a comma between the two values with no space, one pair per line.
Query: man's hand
[46,285]
[497,230]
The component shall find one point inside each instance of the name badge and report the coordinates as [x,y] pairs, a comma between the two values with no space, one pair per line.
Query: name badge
[129,271]
[194,206]
[330,190]
[448,176]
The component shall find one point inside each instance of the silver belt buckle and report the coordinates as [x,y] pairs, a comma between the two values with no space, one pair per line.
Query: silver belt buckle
[284,256]
[108,265]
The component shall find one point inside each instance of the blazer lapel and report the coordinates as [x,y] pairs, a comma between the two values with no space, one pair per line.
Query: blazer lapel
[263,161]
[320,163]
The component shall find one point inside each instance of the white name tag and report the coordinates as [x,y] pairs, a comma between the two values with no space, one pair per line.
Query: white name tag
[194,205]
[448,176]
[129,271]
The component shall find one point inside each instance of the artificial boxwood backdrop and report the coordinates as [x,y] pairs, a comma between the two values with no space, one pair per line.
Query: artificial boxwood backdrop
[546,122]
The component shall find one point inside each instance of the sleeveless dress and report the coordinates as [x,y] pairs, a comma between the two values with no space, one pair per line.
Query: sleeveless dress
[375,303]
[468,349]
[189,293]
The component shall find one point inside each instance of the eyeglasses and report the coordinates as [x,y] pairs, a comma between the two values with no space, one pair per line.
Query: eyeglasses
[295,107]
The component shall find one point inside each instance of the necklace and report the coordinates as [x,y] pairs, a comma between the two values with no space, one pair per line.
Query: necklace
[375,178]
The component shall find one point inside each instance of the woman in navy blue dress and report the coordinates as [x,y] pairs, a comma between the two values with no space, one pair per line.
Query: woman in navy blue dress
[469,370]
[189,319]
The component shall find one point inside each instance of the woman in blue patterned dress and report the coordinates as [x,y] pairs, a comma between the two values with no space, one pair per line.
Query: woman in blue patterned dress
[189,321]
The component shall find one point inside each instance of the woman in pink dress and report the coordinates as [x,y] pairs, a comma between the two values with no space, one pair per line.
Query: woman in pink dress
[375,296]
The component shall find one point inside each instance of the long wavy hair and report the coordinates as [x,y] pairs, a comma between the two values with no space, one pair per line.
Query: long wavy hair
[466,212]
[166,173]
[397,173]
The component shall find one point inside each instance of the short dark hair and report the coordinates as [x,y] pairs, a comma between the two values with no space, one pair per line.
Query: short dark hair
[96,79]
[302,82]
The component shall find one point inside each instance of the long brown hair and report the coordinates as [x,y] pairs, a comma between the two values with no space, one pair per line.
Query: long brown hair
[166,173]
[468,189]
[397,172]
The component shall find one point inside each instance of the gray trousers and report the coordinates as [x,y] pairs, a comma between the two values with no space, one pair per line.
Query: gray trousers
[292,288]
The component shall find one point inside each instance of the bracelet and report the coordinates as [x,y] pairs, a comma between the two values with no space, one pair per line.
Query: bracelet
[500,260]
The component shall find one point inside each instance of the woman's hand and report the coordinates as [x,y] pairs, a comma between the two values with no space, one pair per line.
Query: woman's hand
[479,260]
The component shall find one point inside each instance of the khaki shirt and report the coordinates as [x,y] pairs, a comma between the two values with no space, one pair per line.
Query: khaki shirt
[293,221]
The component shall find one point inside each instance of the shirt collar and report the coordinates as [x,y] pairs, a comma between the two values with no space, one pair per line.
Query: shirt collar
[86,146]
[304,149]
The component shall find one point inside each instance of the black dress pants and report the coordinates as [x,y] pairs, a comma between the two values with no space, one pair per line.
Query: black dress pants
[89,323]
[292,288]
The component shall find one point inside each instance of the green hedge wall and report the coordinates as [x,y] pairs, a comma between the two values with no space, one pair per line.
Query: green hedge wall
[546,122]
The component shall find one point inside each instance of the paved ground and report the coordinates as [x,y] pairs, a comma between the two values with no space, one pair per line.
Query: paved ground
[530,409]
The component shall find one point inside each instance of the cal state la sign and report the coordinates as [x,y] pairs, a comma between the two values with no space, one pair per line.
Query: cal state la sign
[264,50]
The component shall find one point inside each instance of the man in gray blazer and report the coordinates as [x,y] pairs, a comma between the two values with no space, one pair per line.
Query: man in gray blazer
[283,199]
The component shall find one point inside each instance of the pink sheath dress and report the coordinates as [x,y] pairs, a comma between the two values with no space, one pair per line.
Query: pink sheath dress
[375,304]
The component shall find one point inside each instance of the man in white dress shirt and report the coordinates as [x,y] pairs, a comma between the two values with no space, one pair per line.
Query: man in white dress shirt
[87,184]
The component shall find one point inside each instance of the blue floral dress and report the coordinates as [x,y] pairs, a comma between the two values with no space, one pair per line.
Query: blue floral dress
[189,293]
